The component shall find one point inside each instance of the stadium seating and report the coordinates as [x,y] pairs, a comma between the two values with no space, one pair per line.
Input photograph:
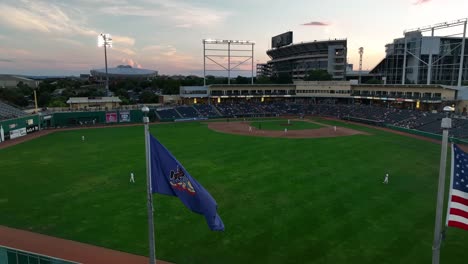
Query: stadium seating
[8,111]
[206,110]
[187,111]
[168,114]
[405,118]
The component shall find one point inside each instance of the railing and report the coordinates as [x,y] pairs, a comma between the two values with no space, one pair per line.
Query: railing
[15,256]
[399,96]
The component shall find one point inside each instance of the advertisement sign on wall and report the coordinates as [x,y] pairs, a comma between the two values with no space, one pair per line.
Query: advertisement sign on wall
[18,133]
[111,117]
[32,129]
[124,116]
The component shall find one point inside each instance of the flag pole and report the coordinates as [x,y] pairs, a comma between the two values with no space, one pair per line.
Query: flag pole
[446,124]
[152,251]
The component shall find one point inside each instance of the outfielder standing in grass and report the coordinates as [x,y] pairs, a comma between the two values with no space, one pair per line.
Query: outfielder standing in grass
[386,179]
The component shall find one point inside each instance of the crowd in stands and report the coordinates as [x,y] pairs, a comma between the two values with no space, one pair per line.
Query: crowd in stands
[206,110]
[405,118]
[168,114]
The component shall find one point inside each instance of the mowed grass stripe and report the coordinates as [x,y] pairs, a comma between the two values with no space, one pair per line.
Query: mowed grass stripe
[282,201]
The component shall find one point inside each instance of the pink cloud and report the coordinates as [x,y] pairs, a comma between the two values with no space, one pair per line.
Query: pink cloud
[420,2]
[321,24]
[131,62]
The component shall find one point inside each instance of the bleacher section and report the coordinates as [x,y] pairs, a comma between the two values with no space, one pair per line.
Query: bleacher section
[8,111]
[405,118]
[187,111]
[206,110]
[168,114]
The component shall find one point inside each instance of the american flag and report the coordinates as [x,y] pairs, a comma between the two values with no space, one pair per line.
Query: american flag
[457,213]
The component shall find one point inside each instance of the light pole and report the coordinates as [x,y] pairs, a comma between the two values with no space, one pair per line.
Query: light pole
[446,125]
[35,100]
[105,40]
[152,251]
[39,115]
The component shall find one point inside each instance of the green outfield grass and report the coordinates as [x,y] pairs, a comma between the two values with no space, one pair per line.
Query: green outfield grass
[282,124]
[282,200]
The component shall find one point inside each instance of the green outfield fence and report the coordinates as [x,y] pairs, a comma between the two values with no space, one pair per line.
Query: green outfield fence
[406,130]
[427,134]
[18,123]
[15,256]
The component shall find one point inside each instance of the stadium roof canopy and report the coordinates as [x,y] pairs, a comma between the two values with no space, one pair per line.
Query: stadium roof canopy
[124,71]
[78,100]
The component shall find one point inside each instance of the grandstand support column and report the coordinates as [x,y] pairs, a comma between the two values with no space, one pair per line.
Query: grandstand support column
[152,251]
[462,56]
[403,74]
[446,125]
[429,64]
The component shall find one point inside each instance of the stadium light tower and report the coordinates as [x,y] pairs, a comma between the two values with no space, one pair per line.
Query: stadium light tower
[361,51]
[226,49]
[105,40]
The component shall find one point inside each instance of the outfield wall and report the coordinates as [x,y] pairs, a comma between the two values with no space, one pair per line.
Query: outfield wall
[67,119]
[21,126]
[427,134]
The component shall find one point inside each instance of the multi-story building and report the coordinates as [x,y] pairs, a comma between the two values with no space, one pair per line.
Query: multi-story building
[428,60]
[298,59]
[263,70]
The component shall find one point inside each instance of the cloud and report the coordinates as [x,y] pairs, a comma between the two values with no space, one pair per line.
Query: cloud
[51,19]
[42,17]
[131,62]
[160,50]
[420,2]
[70,42]
[316,24]
[180,14]
[14,52]
[5,60]
[169,58]
[123,41]
[126,51]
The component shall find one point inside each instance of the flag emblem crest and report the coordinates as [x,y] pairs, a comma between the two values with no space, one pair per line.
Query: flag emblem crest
[179,181]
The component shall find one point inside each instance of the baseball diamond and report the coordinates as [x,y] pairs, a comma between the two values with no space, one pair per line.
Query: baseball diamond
[318,199]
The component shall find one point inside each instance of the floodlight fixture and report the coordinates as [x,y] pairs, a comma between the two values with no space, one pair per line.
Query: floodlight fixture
[228,41]
[105,40]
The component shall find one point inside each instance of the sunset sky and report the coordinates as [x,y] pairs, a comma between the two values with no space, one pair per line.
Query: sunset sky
[59,37]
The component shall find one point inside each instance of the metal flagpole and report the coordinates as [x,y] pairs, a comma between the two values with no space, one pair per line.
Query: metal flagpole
[446,124]
[152,251]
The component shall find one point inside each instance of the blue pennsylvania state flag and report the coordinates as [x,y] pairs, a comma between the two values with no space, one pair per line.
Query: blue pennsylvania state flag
[169,177]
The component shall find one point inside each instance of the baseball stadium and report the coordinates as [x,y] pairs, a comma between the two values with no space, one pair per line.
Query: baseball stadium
[297,171]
